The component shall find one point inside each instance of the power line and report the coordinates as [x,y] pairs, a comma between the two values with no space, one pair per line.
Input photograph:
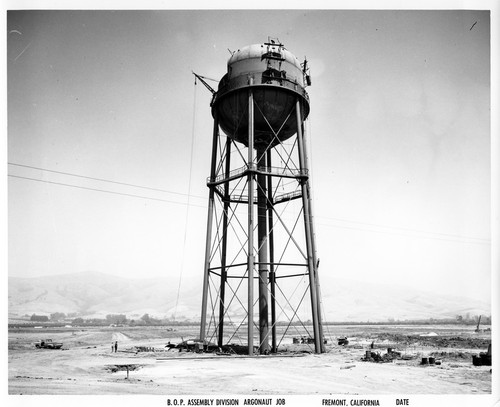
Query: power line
[404,229]
[438,235]
[106,191]
[104,180]
[463,239]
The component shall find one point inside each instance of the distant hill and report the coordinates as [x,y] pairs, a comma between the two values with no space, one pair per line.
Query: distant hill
[353,301]
[91,294]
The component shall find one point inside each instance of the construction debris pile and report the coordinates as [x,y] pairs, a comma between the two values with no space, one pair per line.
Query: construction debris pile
[303,339]
[146,349]
[484,358]
[430,361]
[372,356]
[434,341]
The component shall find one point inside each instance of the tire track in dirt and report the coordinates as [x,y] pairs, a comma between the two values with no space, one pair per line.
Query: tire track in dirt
[120,337]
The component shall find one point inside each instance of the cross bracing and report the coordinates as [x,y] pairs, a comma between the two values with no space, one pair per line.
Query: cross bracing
[259,240]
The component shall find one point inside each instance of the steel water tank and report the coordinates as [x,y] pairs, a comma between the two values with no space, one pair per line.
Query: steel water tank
[276,78]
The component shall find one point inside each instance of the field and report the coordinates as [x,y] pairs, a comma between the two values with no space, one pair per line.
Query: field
[143,365]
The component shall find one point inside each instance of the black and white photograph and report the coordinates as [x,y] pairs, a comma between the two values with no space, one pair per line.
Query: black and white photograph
[253,205]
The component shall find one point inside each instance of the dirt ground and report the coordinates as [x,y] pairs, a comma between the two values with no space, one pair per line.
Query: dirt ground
[86,364]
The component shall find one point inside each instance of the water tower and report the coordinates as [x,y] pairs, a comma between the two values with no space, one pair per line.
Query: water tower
[260,262]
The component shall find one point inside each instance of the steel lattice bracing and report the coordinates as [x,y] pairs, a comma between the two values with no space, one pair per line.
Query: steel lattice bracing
[259,229]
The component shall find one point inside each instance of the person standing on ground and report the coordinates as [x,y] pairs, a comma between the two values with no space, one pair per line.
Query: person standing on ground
[112,346]
[116,346]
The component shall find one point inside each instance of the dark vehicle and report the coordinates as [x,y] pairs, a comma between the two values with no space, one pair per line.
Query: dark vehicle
[48,344]
[343,341]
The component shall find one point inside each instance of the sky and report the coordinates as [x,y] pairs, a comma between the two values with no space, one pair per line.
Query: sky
[109,141]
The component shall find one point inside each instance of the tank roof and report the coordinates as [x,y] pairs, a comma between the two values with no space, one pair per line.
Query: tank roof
[257,50]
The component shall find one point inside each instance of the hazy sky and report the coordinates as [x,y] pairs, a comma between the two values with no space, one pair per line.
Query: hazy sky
[399,134]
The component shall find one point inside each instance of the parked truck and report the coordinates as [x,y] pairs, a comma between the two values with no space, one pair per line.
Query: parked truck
[48,344]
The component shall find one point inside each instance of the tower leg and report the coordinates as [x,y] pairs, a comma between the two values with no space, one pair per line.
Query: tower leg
[250,254]
[272,279]
[206,275]
[223,275]
[263,253]
[313,246]
[309,237]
